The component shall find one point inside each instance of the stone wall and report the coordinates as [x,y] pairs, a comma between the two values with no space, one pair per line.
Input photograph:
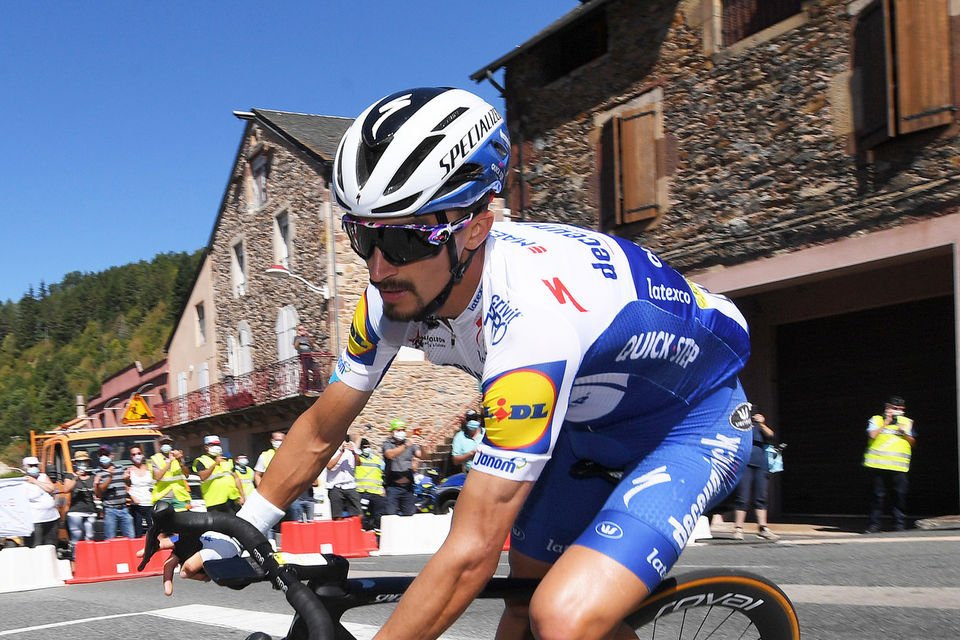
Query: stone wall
[760,147]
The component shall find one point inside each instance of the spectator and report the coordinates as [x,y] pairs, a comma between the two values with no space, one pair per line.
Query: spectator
[891,438]
[140,479]
[369,476]
[219,482]
[753,483]
[304,346]
[40,490]
[110,485]
[229,383]
[82,512]
[466,440]
[245,473]
[170,473]
[263,461]
[398,478]
[341,481]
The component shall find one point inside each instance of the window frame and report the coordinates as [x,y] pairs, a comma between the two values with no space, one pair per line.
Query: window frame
[238,268]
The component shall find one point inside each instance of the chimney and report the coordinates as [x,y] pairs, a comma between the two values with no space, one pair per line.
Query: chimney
[81,406]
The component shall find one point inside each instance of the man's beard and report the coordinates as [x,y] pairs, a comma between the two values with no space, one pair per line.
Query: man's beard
[390,310]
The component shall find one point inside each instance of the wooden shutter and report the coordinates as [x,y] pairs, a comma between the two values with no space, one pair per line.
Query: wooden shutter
[922,41]
[639,163]
[873,59]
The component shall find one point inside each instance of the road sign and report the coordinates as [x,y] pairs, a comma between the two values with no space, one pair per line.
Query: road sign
[137,411]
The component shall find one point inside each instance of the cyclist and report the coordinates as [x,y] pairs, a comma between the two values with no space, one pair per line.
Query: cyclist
[587,347]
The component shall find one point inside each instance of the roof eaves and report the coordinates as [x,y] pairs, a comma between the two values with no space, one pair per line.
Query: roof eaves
[570,18]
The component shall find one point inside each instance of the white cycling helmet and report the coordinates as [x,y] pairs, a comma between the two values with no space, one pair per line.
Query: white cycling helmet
[421,151]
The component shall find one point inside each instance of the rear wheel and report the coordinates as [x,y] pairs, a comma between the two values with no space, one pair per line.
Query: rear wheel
[717,604]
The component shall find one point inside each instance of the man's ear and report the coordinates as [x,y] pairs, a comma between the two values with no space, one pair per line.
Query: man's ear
[478,229]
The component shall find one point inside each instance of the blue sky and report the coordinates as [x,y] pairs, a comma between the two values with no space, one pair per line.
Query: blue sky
[118,133]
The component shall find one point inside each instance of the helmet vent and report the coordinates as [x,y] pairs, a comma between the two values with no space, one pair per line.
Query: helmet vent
[456,113]
[467,173]
[502,150]
[343,204]
[414,160]
[367,161]
[398,205]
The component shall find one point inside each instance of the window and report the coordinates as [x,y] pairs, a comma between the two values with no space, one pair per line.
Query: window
[286,329]
[244,354]
[233,354]
[201,325]
[901,61]
[573,47]
[281,239]
[631,166]
[258,169]
[742,18]
[203,375]
[238,264]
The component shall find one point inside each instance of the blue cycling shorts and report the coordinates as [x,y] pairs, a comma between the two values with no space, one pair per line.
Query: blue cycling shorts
[675,476]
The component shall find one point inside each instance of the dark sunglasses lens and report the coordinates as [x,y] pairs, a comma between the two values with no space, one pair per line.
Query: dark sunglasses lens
[399,246]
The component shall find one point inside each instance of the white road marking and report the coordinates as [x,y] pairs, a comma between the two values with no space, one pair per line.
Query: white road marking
[66,623]
[864,540]
[892,597]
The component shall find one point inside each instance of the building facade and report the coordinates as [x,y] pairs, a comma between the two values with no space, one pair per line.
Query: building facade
[799,156]
[278,258]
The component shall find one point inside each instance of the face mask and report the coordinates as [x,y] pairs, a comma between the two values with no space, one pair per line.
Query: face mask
[165,448]
[215,450]
[104,461]
[367,451]
[81,466]
[400,435]
[276,443]
[33,471]
[137,459]
[242,462]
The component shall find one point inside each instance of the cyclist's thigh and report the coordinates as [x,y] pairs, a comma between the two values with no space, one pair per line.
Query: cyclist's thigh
[558,508]
[648,519]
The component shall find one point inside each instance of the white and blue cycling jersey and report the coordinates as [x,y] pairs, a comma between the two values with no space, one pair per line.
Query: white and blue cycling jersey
[588,347]
[567,325]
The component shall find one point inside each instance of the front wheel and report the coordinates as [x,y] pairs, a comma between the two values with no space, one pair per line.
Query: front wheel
[717,604]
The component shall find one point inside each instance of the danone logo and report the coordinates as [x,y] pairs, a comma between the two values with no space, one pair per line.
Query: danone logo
[518,406]
[362,339]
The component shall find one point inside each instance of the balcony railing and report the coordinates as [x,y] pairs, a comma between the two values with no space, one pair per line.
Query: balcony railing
[306,374]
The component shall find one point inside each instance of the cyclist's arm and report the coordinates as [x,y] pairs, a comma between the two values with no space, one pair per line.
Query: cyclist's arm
[312,441]
[468,558]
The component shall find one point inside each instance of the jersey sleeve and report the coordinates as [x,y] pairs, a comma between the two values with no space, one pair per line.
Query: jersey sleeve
[372,345]
[526,386]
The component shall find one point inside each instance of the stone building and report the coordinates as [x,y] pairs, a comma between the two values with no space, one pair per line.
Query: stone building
[801,157]
[277,257]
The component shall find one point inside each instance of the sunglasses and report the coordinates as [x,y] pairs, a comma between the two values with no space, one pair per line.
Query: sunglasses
[400,244]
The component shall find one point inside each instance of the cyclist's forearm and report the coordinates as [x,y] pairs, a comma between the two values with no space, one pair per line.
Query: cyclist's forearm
[313,439]
[444,589]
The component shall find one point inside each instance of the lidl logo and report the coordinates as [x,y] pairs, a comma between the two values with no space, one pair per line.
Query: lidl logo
[362,337]
[519,405]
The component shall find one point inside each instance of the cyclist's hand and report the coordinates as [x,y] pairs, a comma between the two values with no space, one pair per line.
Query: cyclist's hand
[170,565]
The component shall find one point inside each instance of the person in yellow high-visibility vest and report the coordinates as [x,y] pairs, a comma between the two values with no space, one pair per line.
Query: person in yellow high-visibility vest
[891,438]
[369,476]
[245,473]
[170,472]
[219,482]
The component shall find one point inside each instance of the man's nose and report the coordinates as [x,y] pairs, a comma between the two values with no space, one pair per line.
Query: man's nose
[379,267]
